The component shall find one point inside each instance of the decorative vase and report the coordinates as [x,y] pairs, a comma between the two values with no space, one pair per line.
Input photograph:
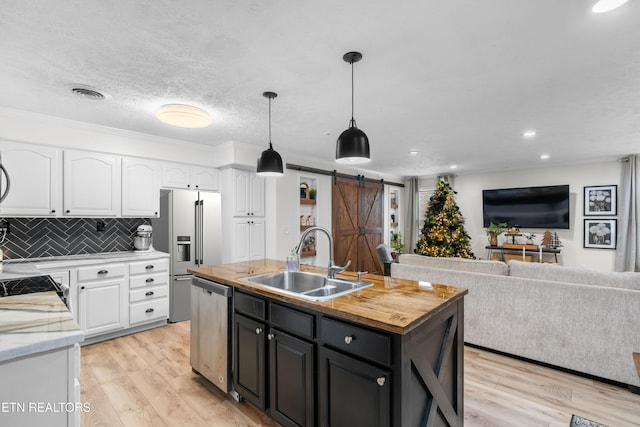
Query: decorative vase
[493,240]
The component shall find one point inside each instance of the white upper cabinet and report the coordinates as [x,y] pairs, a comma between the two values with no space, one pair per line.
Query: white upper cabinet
[91,184]
[248,193]
[35,179]
[179,175]
[140,188]
[205,178]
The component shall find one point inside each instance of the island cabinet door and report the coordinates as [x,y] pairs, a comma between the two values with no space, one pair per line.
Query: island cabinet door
[352,393]
[250,360]
[291,371]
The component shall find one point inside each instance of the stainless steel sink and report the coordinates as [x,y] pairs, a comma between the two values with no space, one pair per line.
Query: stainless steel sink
[310,286]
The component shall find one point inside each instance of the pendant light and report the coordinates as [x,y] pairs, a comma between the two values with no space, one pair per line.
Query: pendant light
[270,162]
[352,145]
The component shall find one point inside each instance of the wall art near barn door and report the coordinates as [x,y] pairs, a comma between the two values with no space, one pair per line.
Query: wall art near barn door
[600,233]
[600,200]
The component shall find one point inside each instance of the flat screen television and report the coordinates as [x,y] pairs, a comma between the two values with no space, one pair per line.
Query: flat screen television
[527,207]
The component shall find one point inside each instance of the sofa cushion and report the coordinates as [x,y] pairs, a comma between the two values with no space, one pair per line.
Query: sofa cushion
[460,264]
[556,273]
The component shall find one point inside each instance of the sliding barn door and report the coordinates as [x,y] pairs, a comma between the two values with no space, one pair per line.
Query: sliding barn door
[357,223]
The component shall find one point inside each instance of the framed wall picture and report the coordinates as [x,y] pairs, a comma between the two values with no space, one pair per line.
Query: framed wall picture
[601,200]
[600,233]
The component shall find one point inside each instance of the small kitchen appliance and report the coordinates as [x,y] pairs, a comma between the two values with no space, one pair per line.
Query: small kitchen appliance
[142,239]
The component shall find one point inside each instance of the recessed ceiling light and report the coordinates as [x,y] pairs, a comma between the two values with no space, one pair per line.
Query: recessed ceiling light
[544,156]
[184,116]
[606,5]
[453,167]
[414,152]
[529,133]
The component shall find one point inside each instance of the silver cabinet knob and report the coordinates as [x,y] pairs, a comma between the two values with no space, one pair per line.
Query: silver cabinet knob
[381,381]
[258,331]
[270,336]
[348,339]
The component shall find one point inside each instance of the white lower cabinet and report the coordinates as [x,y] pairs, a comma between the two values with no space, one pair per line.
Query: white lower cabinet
[148,291]
[42,389]
[103,296]
[113,299]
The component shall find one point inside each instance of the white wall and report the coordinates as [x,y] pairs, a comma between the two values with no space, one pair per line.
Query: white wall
[469,199]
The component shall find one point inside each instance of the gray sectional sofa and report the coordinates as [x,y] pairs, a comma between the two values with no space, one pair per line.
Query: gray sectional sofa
[583,320]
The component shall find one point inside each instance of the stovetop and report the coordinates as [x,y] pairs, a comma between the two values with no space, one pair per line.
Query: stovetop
[28,285]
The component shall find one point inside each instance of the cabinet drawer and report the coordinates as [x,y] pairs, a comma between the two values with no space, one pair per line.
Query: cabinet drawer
[148,311]
[250,305]
[293,321]
[149,266]
[150,292]
[371,345]
[99,272]
[149,280]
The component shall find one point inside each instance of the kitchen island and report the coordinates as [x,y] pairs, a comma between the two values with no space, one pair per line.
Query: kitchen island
[388,354]
[39,361]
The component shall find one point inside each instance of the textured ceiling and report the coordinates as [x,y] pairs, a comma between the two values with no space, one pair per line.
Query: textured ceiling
[457,80]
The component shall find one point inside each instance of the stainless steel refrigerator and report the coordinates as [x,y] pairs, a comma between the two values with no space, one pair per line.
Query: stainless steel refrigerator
[189,229]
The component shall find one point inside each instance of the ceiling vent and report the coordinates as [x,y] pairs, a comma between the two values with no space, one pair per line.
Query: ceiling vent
[87,92]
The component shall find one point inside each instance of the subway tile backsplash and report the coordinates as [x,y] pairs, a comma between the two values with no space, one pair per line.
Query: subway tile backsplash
[44,237]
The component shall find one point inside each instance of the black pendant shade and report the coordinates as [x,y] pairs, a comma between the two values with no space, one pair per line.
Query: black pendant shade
[270,162]
[353,144]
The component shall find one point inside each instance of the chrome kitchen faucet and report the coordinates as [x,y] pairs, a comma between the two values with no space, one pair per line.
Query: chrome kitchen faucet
[333,269]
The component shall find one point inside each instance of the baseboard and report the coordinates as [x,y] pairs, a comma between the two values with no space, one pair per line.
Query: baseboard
[559,368]
[123,332]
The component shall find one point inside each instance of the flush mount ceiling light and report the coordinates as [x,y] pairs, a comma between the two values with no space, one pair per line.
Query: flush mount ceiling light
[606,5]
[270,162]
[184,116]
[352,145]
[529,133]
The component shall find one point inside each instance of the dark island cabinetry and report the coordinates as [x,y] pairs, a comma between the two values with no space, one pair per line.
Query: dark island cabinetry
[390,354]
[353,393]
[280,381]
[307,368]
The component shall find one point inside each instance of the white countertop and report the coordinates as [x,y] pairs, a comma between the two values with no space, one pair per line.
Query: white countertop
[33,323]
[34,266]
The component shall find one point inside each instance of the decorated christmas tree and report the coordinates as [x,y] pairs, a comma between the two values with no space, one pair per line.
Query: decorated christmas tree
[443,234]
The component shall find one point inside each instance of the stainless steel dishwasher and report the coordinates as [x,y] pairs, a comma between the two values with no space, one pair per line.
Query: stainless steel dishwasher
[211,331]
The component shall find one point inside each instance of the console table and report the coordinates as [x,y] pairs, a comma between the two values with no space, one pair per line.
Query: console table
[502,250]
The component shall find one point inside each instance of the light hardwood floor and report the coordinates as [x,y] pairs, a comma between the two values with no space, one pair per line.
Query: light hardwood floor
[145,379]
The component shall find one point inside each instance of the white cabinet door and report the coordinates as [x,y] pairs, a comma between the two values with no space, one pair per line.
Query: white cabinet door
[91,184]
[37,379]
[103,306]
[179,175]
[35,175]
[248,239]
[241,192]
[248,193]
[241,250]
[257,239]
[257,195]
[140,188]
[176,175]
[205,178]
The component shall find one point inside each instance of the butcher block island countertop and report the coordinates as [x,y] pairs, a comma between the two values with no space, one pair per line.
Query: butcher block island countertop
[391,304]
